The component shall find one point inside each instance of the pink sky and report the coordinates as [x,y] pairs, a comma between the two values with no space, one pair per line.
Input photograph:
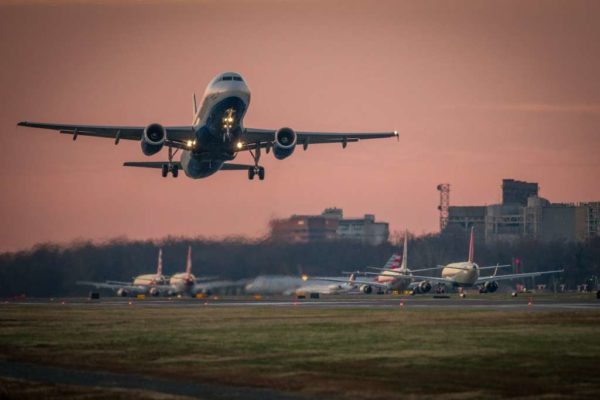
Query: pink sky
[479,91]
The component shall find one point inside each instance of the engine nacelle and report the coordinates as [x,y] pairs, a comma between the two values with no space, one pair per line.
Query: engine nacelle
[422,287]
[366,289]
[153,139]
[489,287]
[285,143]
[153,292]
[122,292]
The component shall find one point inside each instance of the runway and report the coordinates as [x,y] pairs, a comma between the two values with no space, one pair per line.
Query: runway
[481,302]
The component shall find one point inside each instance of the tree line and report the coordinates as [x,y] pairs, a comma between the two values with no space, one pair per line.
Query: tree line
[49,270]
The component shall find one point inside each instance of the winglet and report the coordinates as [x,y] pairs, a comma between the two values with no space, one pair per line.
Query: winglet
[397,135]
[471,247]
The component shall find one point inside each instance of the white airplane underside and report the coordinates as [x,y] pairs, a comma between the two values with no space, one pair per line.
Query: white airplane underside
[216,136]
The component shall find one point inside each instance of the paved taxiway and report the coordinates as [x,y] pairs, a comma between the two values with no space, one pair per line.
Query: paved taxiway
[372,302]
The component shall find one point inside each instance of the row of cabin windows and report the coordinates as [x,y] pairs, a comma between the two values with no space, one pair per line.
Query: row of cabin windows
[231,78]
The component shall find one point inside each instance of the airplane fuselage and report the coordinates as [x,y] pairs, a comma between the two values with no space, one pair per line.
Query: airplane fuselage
[182,282]
[149,280]
[217,125]
[461,274]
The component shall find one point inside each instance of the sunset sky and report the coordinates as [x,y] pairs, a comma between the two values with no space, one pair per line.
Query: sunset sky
[478,90]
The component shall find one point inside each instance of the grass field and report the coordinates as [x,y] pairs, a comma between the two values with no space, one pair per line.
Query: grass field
[331,353]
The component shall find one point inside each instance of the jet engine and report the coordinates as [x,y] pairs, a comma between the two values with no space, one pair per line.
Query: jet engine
[366,289]
[489,287]
[154,292]
[122,292]
[285,143]
[422,287]
[153,139]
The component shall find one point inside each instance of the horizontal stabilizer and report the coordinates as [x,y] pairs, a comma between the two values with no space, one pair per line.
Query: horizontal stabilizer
[159,164]
[149,164]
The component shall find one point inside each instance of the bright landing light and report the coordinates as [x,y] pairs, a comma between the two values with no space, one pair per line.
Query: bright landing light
[240,145]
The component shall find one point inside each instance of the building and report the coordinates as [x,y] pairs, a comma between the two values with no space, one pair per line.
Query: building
[523,214]
[330,225]
[517,192]
[365,230]
[462,218]
[304,228]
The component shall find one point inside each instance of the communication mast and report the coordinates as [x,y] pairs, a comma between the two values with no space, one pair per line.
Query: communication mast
[444,189]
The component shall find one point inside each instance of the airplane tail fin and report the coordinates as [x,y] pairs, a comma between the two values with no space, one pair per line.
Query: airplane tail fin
[351,278]
[195,110]
[393,262]
[159,266]
[404,266]
[188,265]
[471,247]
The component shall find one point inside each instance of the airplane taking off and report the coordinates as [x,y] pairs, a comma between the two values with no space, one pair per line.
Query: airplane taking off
[151,284]
[216,136]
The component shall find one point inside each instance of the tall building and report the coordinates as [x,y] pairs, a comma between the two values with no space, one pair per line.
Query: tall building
[517,192]
[330,225]
[535,218]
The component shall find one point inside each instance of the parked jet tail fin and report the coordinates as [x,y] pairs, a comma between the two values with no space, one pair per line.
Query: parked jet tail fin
[159,267]
[188,265]
[471,247]
[404,265]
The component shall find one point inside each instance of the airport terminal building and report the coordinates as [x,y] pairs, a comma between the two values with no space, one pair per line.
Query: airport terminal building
[330,225]
[523,213]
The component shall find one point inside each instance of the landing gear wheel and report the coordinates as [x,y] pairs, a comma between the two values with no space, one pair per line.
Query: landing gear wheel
[175,171]
[261,173]
[251,173]
[165,170]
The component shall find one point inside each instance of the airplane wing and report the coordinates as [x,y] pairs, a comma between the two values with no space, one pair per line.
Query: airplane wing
[265,137]
[174,133]
[356,282]
[483,279]
[159,164]
[111,286]
[411,270]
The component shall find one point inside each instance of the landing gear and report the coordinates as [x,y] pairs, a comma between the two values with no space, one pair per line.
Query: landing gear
[257,169]
[170,166]
[260,171]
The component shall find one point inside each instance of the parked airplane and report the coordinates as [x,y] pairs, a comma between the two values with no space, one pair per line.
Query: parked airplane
[467,274]
[321,287]
[216,136]
[185,283]
[151,284]
[392,276]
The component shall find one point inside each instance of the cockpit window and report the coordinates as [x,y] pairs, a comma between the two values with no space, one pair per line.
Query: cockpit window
[237,78]
[227,78]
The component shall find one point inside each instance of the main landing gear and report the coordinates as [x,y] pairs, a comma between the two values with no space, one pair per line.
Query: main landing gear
[257,169]
[171,167]
[260,171]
